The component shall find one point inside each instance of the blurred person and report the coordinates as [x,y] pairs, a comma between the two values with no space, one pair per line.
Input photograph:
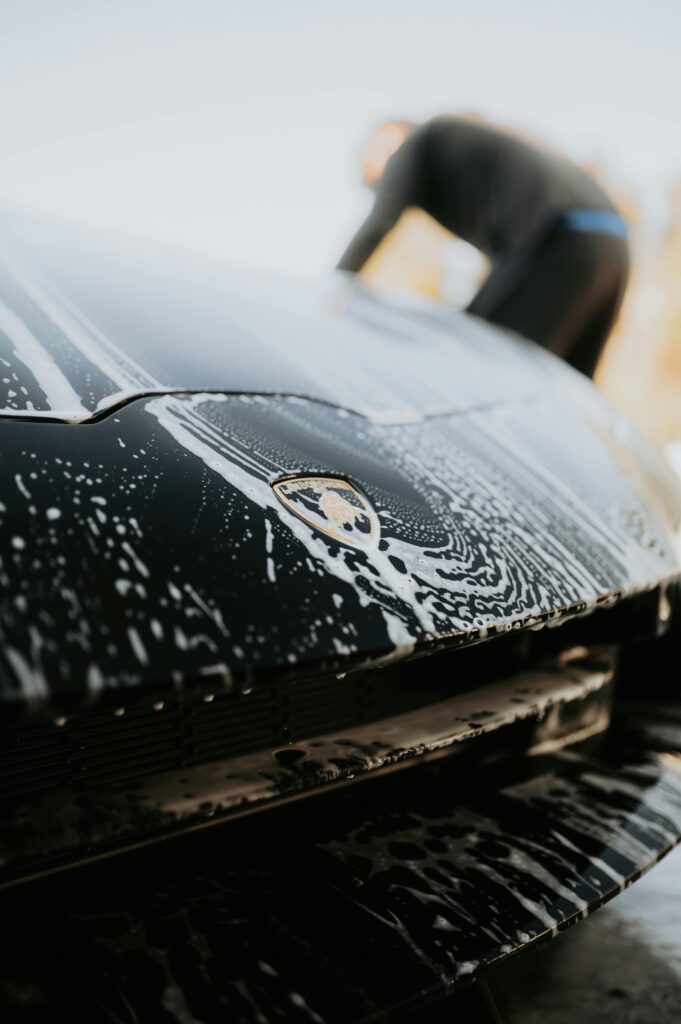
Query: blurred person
[556,244]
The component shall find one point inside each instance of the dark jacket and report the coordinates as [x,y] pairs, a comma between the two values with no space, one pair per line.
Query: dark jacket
[490,187]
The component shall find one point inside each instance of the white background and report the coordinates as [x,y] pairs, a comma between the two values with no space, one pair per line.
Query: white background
[233,128]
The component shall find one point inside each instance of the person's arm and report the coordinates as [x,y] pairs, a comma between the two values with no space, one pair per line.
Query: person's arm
[397,189]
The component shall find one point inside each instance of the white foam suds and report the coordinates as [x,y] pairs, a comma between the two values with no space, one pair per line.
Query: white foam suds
[183,420]
[52,382]
[137,646]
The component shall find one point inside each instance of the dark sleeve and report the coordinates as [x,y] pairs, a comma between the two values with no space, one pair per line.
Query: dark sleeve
[398,188]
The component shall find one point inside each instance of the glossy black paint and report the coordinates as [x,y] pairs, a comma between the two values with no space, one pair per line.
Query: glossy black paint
[388,897]
[120,319]
[151,410]
[150,550]
[145,549]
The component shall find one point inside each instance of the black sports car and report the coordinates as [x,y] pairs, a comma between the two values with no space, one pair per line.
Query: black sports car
[259,541]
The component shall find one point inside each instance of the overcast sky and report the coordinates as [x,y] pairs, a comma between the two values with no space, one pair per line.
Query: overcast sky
[233,127]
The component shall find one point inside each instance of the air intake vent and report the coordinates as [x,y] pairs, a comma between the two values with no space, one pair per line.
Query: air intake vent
[106,747]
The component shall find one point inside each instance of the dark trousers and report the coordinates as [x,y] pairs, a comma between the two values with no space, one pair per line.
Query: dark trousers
[564,292]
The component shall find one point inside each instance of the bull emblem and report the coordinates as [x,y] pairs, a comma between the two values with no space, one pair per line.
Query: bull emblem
[331,505]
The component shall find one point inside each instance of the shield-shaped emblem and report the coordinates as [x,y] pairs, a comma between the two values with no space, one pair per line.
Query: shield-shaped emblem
[331,505]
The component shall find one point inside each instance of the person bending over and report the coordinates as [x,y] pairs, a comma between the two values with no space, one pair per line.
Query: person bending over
[556,244]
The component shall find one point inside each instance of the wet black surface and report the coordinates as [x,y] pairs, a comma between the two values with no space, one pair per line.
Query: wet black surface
[155,542]
[148,552]
[120,318]
[378,898]
[110,781]
[623,966]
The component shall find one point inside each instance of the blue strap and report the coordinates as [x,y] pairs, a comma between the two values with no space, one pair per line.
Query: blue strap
[603,222]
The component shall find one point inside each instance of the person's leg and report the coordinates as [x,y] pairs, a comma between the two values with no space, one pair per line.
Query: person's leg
[587,345]
[563,293]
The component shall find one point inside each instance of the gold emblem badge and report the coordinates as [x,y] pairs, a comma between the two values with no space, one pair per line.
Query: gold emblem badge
[331,505]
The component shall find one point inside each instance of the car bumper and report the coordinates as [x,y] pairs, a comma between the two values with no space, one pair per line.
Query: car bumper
[370,901]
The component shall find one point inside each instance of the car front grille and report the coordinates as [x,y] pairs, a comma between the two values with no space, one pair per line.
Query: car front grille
[101,748]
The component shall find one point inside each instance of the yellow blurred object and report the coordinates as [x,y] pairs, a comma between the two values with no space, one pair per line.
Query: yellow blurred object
[411,256]
[641,368]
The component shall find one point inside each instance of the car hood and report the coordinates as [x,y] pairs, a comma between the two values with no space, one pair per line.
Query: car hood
[149,548]
[88,322]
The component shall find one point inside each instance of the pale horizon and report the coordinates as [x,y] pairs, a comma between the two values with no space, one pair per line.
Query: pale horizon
[236,132]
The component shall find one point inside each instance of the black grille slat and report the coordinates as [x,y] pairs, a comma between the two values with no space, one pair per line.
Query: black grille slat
[102,748]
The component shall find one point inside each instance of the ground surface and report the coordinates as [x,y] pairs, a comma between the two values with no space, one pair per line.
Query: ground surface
[621,966]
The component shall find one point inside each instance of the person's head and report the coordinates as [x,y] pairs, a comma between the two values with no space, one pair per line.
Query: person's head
[380,146]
